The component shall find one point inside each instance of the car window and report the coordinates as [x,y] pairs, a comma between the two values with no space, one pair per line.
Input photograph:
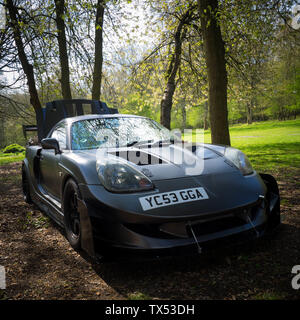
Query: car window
[60,134]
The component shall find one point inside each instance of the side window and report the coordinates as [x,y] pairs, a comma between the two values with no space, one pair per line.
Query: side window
[60,134]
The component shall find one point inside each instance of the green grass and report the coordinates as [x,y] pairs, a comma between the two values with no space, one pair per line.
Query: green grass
[6,158]
[270,145]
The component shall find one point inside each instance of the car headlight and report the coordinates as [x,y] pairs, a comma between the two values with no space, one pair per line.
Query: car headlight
[118,176]
[239,159]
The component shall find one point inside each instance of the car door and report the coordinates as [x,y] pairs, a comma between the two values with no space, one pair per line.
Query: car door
[49,161]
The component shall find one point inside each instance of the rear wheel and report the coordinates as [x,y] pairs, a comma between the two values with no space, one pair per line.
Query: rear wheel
[26,187]
[71,214]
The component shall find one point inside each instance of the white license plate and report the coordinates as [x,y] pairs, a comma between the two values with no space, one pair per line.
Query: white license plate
[172,197]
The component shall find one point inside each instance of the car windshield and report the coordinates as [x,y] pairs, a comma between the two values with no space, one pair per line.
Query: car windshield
[117,132]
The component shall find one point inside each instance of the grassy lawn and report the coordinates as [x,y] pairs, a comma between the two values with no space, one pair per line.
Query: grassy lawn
[270,145]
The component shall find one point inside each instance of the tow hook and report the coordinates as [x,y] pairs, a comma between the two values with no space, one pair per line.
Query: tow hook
[262,201]
[196,241]
[246,217]
[252,225]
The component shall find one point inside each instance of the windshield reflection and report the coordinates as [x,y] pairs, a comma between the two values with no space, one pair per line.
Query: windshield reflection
[117,132]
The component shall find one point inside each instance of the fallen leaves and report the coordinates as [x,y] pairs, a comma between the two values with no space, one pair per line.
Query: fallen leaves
[40,263]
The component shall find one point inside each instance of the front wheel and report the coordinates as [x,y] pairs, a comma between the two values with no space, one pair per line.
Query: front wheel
[71,214]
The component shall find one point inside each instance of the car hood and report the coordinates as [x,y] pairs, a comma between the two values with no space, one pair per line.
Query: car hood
[163,162]
[224,184]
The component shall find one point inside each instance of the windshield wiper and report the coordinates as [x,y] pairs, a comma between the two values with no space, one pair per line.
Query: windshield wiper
[160,142]
[136,142]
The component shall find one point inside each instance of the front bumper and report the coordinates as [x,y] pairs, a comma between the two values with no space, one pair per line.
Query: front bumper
[188,249]
[178,236]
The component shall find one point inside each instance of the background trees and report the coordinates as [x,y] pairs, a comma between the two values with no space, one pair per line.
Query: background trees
[15,22]
[60,10]
[231,62]
[97,74]
[216,70]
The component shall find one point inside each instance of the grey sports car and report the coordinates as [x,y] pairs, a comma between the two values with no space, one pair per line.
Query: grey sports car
[124,185]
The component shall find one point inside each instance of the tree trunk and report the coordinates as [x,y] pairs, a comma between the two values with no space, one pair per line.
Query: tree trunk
[63,52]
[216,71]
[166,104]
[27,67]
[97,75]
[167,100]
[183,112]
[249,113]
[2,133]
[205,120]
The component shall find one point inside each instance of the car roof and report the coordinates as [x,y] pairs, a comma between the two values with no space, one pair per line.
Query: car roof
[95,116]
[98,116]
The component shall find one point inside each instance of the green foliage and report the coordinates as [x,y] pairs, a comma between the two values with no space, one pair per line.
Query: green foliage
[6,158]
[263,60]
[138,103]
[13,148]
[262,55]
[139,296]
[194,117]
[36,222]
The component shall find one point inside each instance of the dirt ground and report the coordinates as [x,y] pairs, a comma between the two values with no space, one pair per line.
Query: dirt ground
[40,264]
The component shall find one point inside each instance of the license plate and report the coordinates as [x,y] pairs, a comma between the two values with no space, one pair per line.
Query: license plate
[172,197]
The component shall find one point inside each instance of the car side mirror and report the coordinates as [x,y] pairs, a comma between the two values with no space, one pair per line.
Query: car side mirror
[50,143]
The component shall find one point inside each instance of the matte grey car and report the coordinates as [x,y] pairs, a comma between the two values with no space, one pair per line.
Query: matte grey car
[123,185]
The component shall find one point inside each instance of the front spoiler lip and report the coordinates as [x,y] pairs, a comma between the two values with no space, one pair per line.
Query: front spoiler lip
[123,253]
[139,242]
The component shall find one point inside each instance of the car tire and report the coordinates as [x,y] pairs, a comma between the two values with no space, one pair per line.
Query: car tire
[71,214]
[26,187]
